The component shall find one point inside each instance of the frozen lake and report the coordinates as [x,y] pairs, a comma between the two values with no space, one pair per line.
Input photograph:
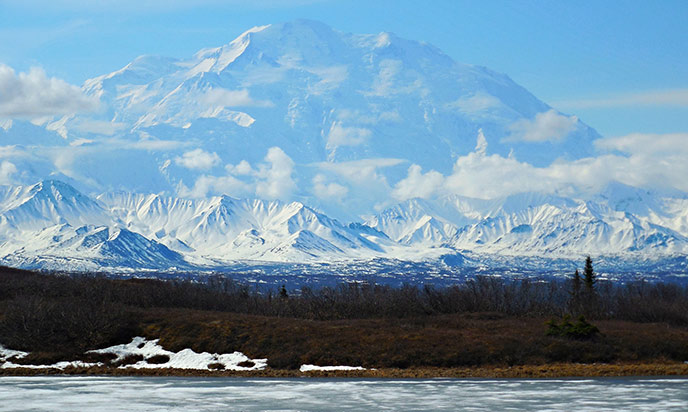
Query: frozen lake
[65,393]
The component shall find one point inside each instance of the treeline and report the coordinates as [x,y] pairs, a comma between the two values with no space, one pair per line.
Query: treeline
[82,311]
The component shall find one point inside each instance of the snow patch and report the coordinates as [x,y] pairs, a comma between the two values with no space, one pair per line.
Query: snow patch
[59,365]
[184,359]
[9,353]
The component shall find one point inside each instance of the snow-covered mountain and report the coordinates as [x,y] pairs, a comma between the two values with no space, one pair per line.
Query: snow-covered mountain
[262,148]
[226,228]
[324,97]
[52,225]
[620,220]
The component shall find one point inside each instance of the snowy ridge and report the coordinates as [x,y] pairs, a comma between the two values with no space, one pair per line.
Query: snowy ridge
[43,227]
[228,228]
[619,220]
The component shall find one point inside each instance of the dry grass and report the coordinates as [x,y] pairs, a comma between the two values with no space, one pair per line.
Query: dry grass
[444,341]
[556,370]
[38,314]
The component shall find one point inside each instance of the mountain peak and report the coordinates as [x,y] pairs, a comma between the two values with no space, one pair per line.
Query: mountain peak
[55,188]
[320,95]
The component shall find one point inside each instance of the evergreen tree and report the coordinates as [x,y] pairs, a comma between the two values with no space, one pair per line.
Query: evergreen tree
[589,276]
[576,286]
[577,283]
[283,292]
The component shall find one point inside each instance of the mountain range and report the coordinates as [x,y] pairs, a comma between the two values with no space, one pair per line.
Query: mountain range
[264,149]
[51,225]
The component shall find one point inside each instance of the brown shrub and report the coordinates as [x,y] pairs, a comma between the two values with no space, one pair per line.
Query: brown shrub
[128,360]
[105,358]
[246,364]
[158,359]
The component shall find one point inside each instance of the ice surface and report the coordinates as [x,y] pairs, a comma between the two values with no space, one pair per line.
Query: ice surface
[112,394]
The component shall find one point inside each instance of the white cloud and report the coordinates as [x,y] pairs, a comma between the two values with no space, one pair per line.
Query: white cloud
[346,136]
[330,78]
[650,160]
[647,160]
[417,184]
[324,190]
[198,159]
[476,104]
[546,126]
[7,170]
[481,176]
[270,180]
[369,117]
[672,97]
[276,180]
[646,144]
[35,95]
[98,126]
[392,79]
[243,169]
[232,98]
[148,143]
[208,185]
[362,171]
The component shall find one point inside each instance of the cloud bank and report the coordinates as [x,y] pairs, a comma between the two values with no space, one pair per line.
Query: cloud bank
[34,94]
[641,160]
[198,159]
[233,98]
[546,126]
[671,97]
[272,179]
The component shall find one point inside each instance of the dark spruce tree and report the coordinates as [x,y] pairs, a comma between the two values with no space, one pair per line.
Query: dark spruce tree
[576,289]
[589,276]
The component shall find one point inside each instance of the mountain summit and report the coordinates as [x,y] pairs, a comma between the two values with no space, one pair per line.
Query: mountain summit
[324,98]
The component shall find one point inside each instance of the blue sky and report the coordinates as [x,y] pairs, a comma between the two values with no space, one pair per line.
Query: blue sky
[621,66]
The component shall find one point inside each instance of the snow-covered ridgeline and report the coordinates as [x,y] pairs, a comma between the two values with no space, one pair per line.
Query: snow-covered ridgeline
[52,225]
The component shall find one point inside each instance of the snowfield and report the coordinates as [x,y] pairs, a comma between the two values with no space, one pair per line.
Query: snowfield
[184,359]
[155,357]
